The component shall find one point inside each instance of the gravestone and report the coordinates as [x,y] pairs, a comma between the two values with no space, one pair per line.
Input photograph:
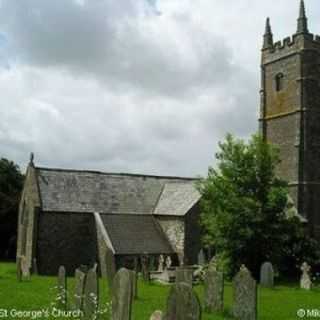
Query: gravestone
[80,278]
[91,295]
[19,267]
[34,266]
[183,303]
[213,290]
[145,269]
[62,289]
[161,263]
[245,295]
[122,295]
[305,281]
[157,315]
[184,274]
[25,268]
[134,278]
[168,262]
[267,275]
[110,267]
[201,258]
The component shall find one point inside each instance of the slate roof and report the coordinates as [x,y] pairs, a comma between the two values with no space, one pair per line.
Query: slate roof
[90,191]
[135,234]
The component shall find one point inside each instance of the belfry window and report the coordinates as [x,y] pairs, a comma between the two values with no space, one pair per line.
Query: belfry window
[279,81]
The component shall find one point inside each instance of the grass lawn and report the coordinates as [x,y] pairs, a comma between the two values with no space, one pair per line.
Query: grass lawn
[281,303]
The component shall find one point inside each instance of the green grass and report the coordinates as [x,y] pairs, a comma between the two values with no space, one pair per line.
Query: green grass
[281,303]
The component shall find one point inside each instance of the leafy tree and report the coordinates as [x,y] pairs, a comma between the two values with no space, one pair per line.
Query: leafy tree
[11,182]
[243,207]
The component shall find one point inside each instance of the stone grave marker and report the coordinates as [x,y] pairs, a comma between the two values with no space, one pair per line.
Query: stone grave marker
[184,274]
[34,266]
[213,290]
[80,278]
[145,268]
[134,279]
[110,267]
[201,257]
[267,275]
[91,295]
[245,295]
[183,303]
[305,281]
[157,315]
[62,289]
[122,295]
[161,263]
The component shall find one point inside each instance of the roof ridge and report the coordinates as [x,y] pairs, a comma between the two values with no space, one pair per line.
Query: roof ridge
[120,174]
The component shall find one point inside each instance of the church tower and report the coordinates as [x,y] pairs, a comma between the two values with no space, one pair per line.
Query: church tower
[290,113]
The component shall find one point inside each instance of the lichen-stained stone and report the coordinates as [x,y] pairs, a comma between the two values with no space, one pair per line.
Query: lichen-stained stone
[122,295]
[80,278]
[183,303]
[91,295]
[62,289]
[184,274]
[213,290]
[245,295]
[267,275]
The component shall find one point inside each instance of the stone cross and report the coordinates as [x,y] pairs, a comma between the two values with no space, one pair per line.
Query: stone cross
[213,290]
[305,281]
[80,278]
[168,262]
[157,315]
[122,295]
[267,275]
[183,303]
[91,295]
[184,274]
[161,263]
[62,289]
[245,295]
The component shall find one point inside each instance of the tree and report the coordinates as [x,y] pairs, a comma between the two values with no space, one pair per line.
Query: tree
[243,207]
[11,182]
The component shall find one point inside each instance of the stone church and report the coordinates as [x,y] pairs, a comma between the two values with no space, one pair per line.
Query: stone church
[290,113]
[73,218]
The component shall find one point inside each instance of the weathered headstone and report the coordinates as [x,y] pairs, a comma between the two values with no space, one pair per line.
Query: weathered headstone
[91,295]
[25,269]
[161,263]
[184,274]
[305,281]
[19,268]
[122,295]
[267,275]
[34,266]
[62,289]
[183,303]
[110,267]
[201,257]
[145,269]
[245,295]
[157,315]
[80,278]
[168,262]
[213,290]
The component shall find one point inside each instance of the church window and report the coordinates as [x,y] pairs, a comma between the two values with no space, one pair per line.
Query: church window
[279,81]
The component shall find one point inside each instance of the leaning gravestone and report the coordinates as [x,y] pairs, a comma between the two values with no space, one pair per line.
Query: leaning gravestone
[184,274]
[213,290]
[157,315]
[62,288]
[91,295]
[245,295]
[122,295]
[267,275]
[79,289]
[183,303]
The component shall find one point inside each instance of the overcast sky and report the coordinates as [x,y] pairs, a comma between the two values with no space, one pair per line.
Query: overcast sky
[132,85]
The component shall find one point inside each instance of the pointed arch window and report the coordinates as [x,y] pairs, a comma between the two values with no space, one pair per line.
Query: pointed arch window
[279,82]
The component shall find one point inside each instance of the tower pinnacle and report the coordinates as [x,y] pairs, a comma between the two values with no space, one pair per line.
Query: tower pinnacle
[268,37]
[302,20]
